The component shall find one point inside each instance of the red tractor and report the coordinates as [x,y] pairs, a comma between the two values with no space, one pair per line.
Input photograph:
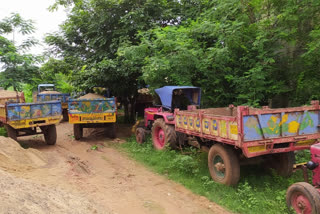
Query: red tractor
[160,120]
[303,197]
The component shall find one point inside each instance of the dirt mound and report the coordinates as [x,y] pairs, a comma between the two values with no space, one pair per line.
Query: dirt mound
[23,196]
[91,96]
[50,92]
[14,157]
[5,93]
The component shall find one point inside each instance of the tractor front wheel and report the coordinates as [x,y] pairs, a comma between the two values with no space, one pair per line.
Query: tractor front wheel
[163,134]
[303,198]
[224,165]
[140,135]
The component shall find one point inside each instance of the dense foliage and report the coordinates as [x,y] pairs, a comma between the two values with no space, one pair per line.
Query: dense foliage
[255,52]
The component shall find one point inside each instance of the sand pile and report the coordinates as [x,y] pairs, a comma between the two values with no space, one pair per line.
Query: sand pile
[144,91]
[14,158]
[23,196]
[50,92]
[91,96]
[19,195]
[5,93]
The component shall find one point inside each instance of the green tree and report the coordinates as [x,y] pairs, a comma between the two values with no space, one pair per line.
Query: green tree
[95,34]
[16,65]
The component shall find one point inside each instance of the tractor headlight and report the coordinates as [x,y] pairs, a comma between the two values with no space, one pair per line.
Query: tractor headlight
[312,165]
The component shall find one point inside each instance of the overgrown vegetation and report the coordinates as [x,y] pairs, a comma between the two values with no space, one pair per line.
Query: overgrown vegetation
[257,190]
[254,52]
[3,132]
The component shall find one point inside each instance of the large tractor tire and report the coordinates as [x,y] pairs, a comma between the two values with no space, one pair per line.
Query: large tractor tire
[50,134]
[283,163]
[77,131]
[163,135]
[303,198]
[12,133]
[140,135]
[224,165]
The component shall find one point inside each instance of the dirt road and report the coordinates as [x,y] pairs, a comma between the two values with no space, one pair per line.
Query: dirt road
[109,179]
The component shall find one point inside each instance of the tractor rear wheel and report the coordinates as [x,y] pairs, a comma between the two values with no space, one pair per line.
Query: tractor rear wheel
[50,134]
[224,165]
[12,133]
[303,198]
[77,131]
[163,134]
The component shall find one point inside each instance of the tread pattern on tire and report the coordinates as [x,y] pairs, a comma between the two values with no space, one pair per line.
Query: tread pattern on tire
[170,133]
[140,135]
[50,134]
[309,191]
[231,161]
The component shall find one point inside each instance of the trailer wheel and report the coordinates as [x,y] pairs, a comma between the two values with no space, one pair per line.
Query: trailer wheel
[224,165]
[283,163]
[50,134]
[140,135]
[113,131]
[163,134]
[12,133]
[303,198]
[65,114]
[77,131]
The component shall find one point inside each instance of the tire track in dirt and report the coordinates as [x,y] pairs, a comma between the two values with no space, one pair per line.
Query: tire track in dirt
[111,179]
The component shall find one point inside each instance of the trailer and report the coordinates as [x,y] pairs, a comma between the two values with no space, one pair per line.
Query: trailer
[237,134]
[24,119]
[46,92]
[231,135]
[92,113]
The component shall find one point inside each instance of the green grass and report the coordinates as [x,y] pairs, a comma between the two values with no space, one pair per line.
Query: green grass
[3,132]
[258,191]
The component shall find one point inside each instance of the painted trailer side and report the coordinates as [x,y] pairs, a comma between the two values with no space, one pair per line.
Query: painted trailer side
[92,113]
[29,115]
[102,110]
[255,131]
[63,97]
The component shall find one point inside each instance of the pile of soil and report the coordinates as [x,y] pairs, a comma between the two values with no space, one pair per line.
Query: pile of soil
[144,91]
[5,93]
[50,92]
[23,196]
[19,195]
[90,96]
[14,158]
